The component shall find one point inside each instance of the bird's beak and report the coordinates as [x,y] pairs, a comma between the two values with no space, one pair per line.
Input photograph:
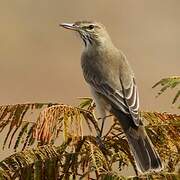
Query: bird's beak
[69,26]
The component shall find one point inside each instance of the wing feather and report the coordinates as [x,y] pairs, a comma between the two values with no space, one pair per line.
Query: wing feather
[132,99]
[125,99]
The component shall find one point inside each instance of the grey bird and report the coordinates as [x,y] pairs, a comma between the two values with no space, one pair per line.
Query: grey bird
[113,87]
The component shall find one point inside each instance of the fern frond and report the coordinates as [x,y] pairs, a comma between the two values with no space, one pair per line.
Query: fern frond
[13,116]
[64,118]
[38,163]
[22,132]
[155,176]
[29,139]
[166,83]
[96,158]
[176,97]
[87,103]
[164,131]
[83,156]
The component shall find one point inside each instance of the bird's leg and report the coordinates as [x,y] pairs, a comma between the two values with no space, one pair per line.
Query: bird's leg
[102,125]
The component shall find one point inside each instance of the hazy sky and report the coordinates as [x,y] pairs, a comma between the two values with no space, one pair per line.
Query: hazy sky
[40,62]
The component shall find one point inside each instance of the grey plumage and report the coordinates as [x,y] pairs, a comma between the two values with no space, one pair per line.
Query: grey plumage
[113,86]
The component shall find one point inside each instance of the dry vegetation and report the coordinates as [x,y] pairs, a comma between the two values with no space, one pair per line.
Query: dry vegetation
[52,143]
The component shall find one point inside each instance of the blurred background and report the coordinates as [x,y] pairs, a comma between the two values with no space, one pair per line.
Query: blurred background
[40,62]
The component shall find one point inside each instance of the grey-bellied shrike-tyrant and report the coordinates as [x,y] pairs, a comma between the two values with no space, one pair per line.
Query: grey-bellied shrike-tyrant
[113,87]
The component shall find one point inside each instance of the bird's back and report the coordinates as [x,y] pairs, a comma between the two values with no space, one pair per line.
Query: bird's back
[107,63]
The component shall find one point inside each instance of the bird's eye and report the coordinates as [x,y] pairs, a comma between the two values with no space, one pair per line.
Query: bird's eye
[91,27]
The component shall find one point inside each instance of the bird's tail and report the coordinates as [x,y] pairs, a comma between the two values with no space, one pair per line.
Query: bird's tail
[146,158]
[144,153]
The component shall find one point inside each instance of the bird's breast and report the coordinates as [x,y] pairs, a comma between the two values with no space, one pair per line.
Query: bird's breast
[100,66]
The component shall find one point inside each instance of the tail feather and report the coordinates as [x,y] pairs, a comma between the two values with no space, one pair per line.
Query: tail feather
[144,153]
[146,158]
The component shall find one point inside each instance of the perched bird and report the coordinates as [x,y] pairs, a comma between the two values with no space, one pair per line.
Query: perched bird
[113,87]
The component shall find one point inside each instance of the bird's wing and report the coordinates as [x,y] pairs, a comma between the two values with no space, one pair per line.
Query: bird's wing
[131,97]
[126,100]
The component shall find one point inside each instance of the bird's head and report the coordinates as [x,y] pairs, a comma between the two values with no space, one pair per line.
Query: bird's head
[92,33]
